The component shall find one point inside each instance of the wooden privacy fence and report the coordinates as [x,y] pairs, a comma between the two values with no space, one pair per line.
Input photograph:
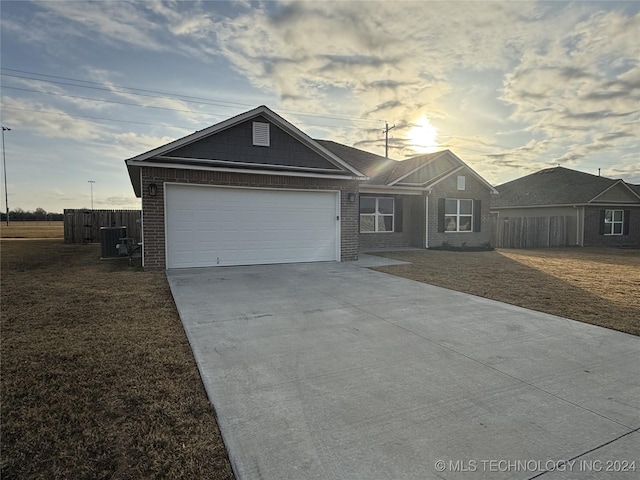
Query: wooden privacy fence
[530,232]
[83,226]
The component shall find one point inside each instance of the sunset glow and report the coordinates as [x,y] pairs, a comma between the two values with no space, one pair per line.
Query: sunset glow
[423,136]
[512,89]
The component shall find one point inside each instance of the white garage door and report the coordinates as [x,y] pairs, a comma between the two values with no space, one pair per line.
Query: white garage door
[210,226]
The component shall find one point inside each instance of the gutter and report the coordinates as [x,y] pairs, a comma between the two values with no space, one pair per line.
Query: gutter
[145,163]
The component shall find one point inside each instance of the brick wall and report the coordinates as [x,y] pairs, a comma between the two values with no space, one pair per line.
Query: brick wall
[153,207]
[381,240]
[592,235]
[372,241]
[474,190]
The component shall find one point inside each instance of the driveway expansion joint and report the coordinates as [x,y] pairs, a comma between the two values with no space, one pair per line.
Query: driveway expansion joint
[594,449]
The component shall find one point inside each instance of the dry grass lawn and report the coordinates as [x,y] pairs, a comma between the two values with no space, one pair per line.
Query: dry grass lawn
[593,285]
[32,230]
[98,380]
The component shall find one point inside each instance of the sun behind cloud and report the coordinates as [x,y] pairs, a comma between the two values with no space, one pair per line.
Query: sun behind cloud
[423,136]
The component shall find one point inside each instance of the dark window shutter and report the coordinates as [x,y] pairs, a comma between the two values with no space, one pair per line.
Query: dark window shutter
[625,225]
[477,216]
[441,214]
[397,221]
[601,231]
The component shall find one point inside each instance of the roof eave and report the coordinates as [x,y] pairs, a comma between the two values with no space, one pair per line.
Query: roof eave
[132,164]
[422,165]
[261,110]
[556,205]
[491,188]
[438,179]
[618,182]
[372,188]
[134,176]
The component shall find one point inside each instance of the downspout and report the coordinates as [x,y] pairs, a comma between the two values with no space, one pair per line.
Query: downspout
[426,221]
[582,210]
[141,219]
[578,239]
[579,221]
[426,217]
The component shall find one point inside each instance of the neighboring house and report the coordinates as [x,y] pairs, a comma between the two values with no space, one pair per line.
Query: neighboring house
[254,189]
[601,211]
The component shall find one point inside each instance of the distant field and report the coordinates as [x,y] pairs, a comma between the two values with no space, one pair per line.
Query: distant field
[32,230]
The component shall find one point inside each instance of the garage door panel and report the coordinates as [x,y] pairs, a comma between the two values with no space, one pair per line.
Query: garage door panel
[208,226]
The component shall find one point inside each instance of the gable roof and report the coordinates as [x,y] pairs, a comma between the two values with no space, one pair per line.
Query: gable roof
[161,156]
[200,152]
[555,186]
[372,165]
[386,172]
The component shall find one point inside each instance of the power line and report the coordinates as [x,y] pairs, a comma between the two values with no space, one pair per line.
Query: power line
[164,95]
[111,85]
[105,100]
[125,121]
[114,91]
[93,118]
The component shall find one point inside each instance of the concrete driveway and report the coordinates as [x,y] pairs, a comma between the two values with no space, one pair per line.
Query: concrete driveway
[334,371]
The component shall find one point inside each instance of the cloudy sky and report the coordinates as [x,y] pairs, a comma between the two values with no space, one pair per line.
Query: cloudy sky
[510,87]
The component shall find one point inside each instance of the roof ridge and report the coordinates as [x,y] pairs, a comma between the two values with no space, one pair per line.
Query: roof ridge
[555,186]
[559,168]
[354,148]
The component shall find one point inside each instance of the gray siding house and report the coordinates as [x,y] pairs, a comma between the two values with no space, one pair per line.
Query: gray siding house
[601,211]
[255,189]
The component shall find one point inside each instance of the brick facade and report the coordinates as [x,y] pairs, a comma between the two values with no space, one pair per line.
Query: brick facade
[592,237]
[369,242]
[474,190]
[412,231]
[153,215]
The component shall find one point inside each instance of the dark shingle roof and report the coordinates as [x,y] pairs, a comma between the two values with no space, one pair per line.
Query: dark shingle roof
[405,166]
[379,169]
[552,186]
[372,165]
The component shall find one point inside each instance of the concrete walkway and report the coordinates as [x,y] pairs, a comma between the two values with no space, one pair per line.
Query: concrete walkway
[333,371]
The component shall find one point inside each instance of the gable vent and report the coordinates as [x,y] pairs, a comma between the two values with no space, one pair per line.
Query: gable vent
[261,134]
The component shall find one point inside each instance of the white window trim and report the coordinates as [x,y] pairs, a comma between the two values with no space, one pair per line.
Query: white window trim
[377,215]
[458,215]
[462,182]
[613,222]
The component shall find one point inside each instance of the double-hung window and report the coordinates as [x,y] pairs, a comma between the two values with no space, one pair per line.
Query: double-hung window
[458,215]
[613,222]
[376,214]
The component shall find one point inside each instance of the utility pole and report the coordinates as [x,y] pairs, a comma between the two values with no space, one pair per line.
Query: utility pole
[386,138]
[91,182]
[4,163]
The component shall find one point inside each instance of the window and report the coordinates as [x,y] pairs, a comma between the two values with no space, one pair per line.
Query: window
[462,180]
[261,134]
[613,222]
[376,214]
[458,215]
